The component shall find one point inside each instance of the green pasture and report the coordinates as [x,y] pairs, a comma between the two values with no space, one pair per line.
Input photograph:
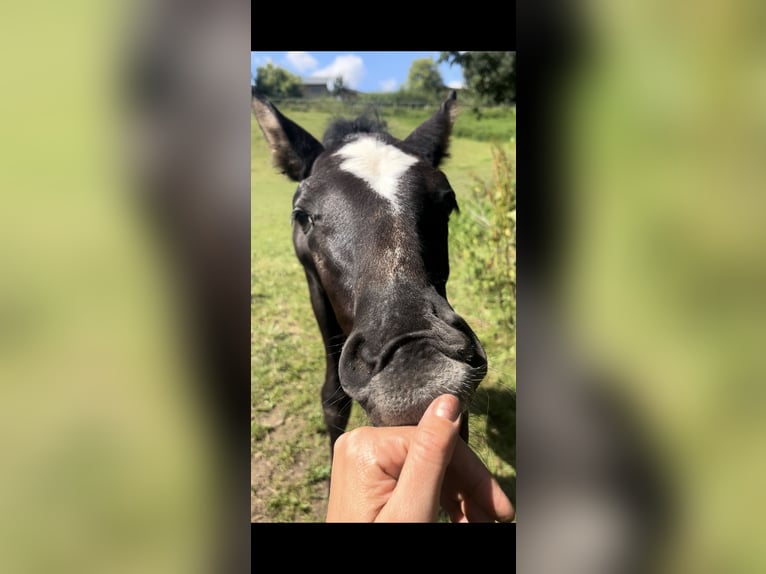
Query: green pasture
[290,448]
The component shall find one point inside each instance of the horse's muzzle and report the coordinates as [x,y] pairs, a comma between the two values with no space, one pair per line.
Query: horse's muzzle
[394,371]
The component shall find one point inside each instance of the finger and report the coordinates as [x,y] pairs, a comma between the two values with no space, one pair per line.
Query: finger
[470,488]
[429,454]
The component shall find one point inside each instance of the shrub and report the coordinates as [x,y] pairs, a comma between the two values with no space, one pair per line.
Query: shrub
[485,235]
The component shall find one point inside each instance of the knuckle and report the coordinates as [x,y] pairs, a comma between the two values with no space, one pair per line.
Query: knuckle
[354,444]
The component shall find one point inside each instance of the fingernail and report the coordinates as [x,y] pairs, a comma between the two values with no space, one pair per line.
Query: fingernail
[448,407]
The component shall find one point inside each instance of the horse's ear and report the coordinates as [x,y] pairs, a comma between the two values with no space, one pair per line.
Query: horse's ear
[431,138]
[293,148]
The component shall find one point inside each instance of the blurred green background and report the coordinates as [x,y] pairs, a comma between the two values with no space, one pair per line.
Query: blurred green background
[665,272]
[107,451]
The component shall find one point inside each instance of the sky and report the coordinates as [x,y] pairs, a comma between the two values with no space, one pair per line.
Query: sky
[363,71]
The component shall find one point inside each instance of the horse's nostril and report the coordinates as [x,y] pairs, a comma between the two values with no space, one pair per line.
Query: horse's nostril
[478,360]
[356,366]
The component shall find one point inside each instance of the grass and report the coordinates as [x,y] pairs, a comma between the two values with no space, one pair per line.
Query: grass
[290,446]
[485,124]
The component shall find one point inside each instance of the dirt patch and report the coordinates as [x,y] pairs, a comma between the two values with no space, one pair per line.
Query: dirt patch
[289,477]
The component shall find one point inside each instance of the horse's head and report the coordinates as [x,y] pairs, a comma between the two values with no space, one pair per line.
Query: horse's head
[370,223]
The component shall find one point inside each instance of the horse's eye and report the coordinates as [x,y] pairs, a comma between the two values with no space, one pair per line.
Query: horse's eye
[302,218]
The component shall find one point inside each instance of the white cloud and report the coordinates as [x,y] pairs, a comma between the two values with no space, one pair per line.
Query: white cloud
[389,85]
[456,84]
[350,68]
[302,61]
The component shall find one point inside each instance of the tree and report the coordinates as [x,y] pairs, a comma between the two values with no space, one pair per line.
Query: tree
[338,87]
[275,82]
[424,79]
[490,75]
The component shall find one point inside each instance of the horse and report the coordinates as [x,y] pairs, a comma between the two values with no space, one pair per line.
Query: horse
[370,227]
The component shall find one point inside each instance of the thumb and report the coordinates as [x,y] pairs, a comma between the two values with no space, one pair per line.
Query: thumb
[418,489]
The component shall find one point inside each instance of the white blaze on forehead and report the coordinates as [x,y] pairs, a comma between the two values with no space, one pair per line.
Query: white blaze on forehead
[379,164]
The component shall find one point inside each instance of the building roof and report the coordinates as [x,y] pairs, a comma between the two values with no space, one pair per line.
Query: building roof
[316,81]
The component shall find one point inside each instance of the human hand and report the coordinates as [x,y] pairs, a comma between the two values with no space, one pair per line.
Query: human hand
[403,474]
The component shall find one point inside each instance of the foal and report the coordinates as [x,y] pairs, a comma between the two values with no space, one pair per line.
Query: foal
[370,224]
